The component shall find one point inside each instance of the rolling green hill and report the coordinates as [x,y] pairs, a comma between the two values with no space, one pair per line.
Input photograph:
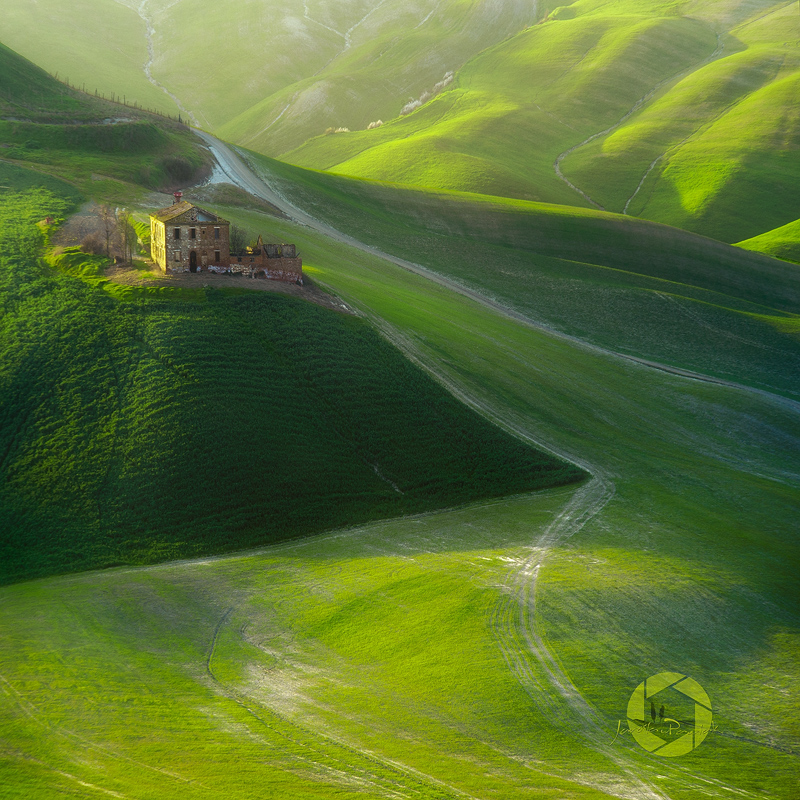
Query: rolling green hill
[783,242]
[487,651]
[643,108]
[636,287]
[48,126]
[275,73]
[638,108]
[154,426]
[411,648]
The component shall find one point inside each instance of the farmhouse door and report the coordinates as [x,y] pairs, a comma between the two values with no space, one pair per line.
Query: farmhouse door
[193,261]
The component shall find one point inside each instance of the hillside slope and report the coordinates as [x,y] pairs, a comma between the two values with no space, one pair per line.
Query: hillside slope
[272,74]
[49,126]
[646,109]
[783,242]
[635,287]
[487,651]
[205,421]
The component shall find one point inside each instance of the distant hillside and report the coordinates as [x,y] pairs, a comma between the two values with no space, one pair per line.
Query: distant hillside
[685,113]
[51,127]
[155,426]
[272,74]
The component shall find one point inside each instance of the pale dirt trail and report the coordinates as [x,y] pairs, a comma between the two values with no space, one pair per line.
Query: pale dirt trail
[514,621]
[241,174]
[150,31]
[631,111]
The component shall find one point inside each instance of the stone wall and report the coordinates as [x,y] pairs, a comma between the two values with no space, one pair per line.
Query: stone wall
[209,241]
[276,269]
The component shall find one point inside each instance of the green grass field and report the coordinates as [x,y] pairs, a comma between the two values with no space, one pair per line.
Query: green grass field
[160,423]
[86,140]
[646,109]
[276,74]
[783,242]
[488,650]
[433,607]
[635,287]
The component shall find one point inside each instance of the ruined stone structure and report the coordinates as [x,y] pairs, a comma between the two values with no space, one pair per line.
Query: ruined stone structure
[184,237]
[187,238]
[278,262]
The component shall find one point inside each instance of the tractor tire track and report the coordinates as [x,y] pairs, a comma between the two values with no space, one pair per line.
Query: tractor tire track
[317,751]
[38,718]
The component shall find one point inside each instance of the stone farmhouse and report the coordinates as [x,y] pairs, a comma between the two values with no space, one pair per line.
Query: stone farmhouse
[187,238]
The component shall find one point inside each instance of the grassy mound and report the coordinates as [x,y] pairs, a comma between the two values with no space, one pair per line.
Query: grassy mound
[783,242]
[165,426]
[14,178]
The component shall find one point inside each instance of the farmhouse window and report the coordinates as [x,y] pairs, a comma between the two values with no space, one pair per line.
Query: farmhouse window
[177,233]
[192,233]
[177,256]
[216,256]
[216,233]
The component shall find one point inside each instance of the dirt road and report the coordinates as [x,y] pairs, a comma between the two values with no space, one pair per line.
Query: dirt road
[240,174]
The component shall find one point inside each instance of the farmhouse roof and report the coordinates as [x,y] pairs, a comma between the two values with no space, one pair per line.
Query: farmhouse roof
[184,207]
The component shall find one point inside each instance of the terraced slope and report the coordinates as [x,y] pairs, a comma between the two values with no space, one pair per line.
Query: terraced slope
[47,126]
[682,113]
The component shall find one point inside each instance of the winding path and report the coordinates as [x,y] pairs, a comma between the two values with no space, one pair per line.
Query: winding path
[514,622]
[243,175]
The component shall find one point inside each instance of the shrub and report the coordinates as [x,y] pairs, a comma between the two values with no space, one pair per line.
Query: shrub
[413,105]
[93,243]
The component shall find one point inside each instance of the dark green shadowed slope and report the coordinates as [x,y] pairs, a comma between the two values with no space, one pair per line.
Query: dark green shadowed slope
[158,428]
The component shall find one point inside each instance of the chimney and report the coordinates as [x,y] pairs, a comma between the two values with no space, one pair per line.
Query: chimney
[177,195]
